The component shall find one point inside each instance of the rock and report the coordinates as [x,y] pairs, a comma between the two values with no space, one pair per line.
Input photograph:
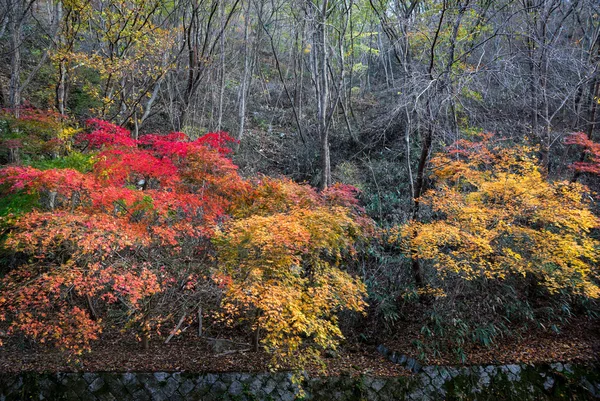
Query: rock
[244,377]
[286,395]
[484,379]
[96,385]
[218,387]
[107,397]
[589,386]
[269,386]
[62,378]
[514,369]
[161,376]
[285,382]
[383,350]
[116,387]
[210,378]
[444,373]
[89,377]
[453,372]
[185,387]
[416,367]
[430,371]
[255,386]
[141,395]
[170,387]
[491,370]
[438,382]
[549,383]
[153,388]
[129,378]
[236,388]
[417,395]
[377,385]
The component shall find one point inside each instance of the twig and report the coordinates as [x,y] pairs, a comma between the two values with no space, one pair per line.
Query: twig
[175,329]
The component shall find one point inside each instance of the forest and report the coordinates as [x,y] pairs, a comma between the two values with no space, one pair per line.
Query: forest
[289,184]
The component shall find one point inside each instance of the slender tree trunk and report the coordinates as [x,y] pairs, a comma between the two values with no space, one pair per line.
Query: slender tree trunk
[256,334]
[425,149]
[16,31]
[245,76]
[61,87]
[533,80]
[419,184]
[61,91]
[145,333]
[322,60]
[222,76]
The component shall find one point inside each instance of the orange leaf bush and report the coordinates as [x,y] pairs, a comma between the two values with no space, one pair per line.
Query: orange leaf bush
[283,263]
[140,223]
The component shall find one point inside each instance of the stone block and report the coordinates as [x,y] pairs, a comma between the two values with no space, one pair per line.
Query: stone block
[187,386]
[377,385]
[96,385]
[170,386]
[548,383]
[89,377]
[141,395]
[161,376]
[236,388]
[269,386]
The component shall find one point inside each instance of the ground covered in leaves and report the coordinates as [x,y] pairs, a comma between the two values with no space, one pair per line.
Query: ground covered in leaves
[196,355]
[578,343]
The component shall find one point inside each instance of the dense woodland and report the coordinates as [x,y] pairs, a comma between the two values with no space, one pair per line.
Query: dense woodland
[287,174]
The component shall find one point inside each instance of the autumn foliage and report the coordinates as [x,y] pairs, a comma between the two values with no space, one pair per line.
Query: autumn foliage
[591,161]
[35,132]
[496,216]
[145,220]
[281,261]
[142,233]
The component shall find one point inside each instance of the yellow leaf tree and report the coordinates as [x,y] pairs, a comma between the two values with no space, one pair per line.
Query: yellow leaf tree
[280,263]
[495,215]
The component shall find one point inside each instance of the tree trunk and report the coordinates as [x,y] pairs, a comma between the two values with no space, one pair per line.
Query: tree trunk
[222,66]
[419,184]
[145,334]
[61,91]
[245,76]
[16,30]
[321,70]
[256,334]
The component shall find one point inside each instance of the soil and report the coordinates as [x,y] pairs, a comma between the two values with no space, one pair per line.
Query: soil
[577,343]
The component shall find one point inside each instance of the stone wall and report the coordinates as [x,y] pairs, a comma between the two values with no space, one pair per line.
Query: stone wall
[507,382]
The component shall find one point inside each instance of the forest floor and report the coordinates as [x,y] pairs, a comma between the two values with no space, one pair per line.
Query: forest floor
[578,343]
